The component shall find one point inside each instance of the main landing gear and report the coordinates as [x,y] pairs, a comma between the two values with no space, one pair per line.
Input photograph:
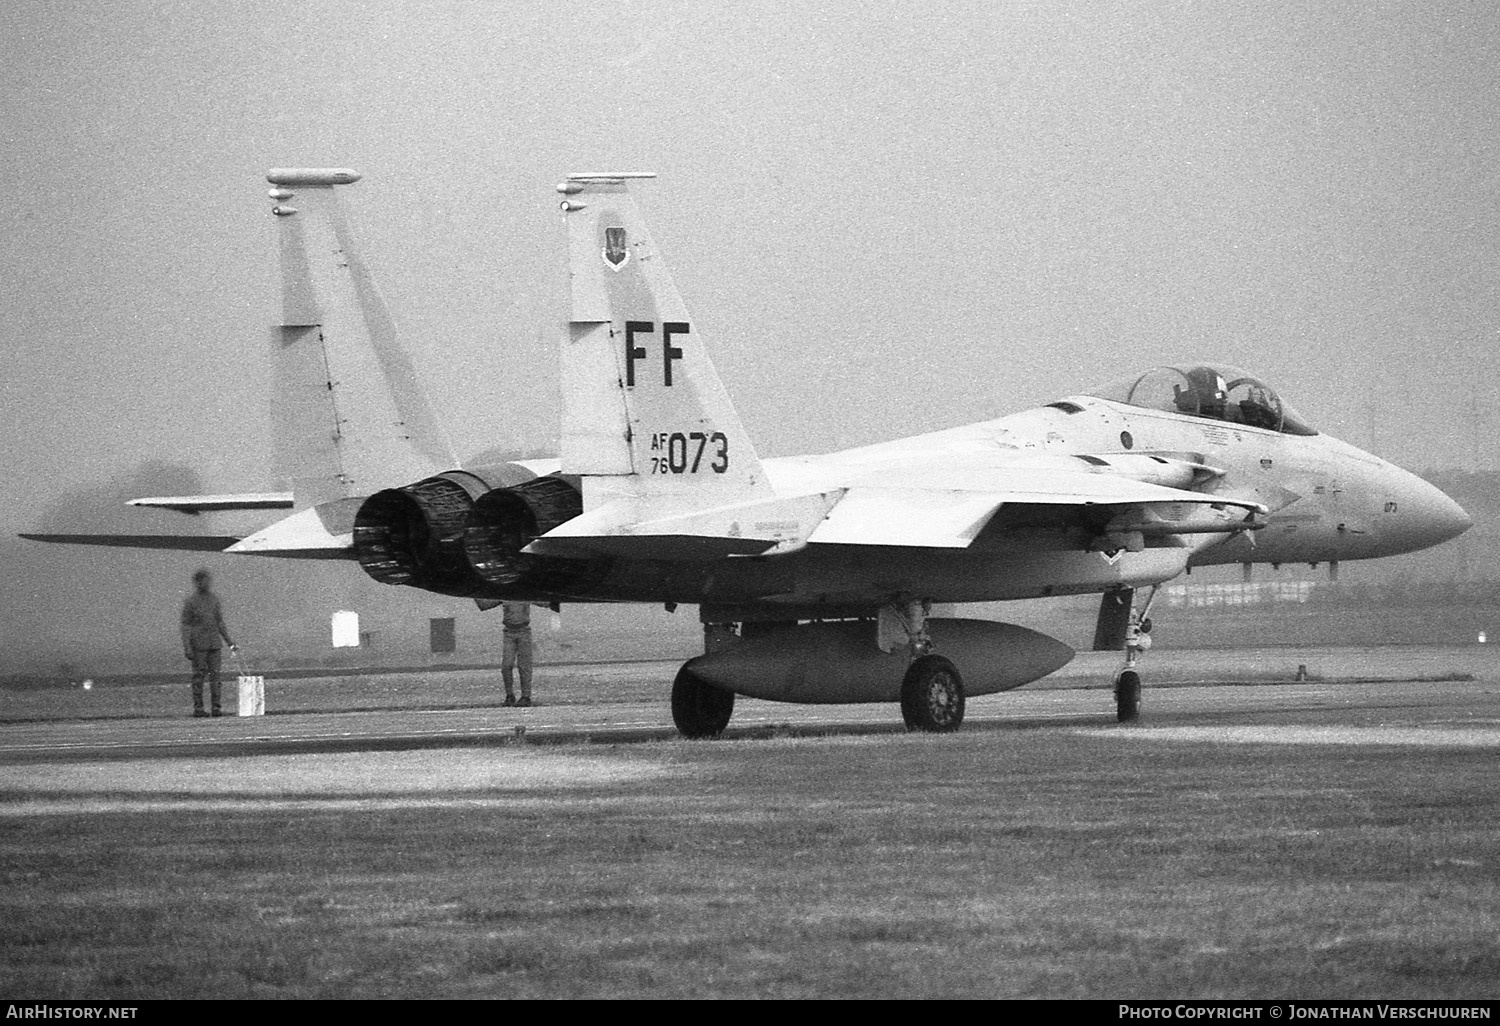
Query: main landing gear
[932,695]
[788,654]
[932,692]
[699,709]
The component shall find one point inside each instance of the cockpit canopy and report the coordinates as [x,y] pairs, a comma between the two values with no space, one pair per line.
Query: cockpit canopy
[1211,392]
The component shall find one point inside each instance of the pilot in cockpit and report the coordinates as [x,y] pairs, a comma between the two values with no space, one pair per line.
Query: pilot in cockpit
[1259,409]
[1220,393]
[1205,395]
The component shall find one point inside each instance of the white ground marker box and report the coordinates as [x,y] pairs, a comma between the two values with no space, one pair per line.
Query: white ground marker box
[252,695]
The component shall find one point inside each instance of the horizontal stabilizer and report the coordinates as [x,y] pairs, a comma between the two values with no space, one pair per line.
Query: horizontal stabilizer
[183,542]
[324,532]
[216,503]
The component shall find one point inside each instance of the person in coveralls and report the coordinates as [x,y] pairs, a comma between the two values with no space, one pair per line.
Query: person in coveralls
[202,628]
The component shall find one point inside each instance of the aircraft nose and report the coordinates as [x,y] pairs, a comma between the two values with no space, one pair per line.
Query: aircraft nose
[1455,519]
[1440,517]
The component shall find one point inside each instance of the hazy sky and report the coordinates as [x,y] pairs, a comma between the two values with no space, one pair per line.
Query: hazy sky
[886,218]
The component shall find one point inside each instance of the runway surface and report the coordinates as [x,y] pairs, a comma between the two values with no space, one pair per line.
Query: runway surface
[1348,706]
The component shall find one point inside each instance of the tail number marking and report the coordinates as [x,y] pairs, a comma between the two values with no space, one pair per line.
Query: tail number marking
[669,352]
[683,453]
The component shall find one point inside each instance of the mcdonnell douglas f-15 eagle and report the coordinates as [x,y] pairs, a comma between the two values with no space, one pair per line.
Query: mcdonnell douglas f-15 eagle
[815,577]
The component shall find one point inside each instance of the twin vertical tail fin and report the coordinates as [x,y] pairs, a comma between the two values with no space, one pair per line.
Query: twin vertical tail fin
[350,415]
[645,417]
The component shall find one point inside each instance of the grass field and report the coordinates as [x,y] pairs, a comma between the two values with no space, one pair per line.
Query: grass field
[1001,862]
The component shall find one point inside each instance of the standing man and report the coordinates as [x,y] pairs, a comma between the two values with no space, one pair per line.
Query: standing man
[202,627]
[517,623]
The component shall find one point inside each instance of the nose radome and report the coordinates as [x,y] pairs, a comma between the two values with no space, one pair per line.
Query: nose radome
[1456,519]
[1427,515]
[1442,517]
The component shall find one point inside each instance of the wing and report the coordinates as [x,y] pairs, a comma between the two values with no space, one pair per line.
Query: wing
[1096,510]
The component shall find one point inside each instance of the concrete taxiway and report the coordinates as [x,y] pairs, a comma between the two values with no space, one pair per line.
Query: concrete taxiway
[1344,709]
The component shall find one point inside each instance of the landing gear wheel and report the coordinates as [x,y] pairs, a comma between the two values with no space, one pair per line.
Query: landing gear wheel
[699,709]
[932,696]
[1128,696]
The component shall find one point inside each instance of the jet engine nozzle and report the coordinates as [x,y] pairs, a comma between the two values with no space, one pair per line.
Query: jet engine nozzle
[506,520]
[414,535]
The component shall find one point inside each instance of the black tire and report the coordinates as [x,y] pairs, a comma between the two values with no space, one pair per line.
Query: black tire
[699,709]
[1128,696]
[932,696]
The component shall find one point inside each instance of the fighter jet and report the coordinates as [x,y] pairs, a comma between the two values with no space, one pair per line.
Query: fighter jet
[816,578]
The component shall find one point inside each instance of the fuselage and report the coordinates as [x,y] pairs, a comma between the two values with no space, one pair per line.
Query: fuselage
[1123,487]
[1326,501]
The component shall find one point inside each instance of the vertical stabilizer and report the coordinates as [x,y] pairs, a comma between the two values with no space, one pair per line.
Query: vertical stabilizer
[645,416]
[349,413]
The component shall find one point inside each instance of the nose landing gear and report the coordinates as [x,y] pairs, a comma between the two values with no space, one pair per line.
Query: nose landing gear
[1128,696]
[1136,642]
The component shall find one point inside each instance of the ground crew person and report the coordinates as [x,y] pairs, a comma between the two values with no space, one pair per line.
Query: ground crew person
[517,654]
[202,627]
